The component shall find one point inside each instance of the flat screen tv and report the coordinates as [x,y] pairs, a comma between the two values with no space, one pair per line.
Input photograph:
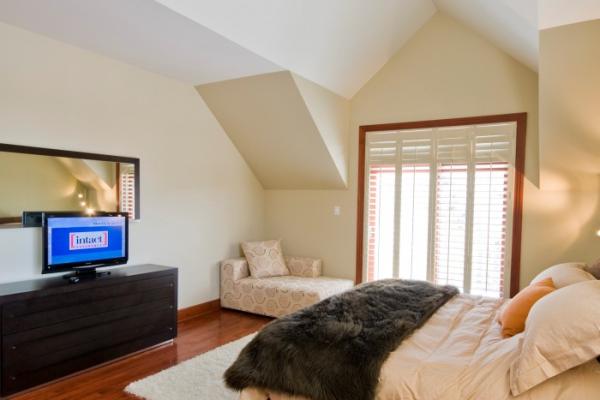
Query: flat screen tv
[81,243]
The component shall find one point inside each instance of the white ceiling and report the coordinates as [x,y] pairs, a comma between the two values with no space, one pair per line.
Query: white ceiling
[139,32]
[509,24]
[527,9]
[554,13]
[339,44]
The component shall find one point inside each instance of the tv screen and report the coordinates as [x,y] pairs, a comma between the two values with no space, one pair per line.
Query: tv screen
[78,241]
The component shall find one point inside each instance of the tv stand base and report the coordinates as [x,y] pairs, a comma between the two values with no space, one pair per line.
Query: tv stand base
[87,274]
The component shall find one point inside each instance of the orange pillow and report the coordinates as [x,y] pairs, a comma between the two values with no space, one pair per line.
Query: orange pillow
[515,313]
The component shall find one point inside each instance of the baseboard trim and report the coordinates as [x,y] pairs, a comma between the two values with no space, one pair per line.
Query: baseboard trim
[199,309]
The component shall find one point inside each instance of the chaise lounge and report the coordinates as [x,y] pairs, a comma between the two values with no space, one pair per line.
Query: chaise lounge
[277,296]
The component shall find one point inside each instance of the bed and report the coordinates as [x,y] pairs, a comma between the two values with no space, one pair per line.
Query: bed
[459,354]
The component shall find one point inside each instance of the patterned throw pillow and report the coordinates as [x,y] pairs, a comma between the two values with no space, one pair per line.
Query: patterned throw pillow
[265,259]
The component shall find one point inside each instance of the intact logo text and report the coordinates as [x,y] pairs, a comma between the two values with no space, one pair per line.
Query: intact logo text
[88,240]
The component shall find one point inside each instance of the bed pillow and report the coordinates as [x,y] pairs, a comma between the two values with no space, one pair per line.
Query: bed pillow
[564,274]
[515,313]
[594,269]
[562,331]
[265,259]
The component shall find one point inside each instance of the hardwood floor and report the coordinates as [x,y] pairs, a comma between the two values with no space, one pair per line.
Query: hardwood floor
[196,336]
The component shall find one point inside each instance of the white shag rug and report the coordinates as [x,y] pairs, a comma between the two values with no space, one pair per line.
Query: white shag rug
[200,377]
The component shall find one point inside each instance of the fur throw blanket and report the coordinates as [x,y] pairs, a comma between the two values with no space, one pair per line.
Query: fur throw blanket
[334,349]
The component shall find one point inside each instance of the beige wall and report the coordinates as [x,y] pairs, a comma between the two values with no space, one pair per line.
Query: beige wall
[32,182]
[199,198]
[444,71]
[568,211]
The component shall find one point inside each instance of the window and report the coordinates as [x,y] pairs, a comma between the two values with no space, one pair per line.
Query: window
[440,204]
[126,176]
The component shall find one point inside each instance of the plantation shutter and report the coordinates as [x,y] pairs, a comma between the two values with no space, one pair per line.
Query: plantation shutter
[412,206]
[452,182]
[494,153]
[380,204]
[438,205]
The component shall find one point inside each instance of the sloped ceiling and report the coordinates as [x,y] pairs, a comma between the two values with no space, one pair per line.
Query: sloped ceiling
[267,118]
[553,13]
[509,24]
[338,44]
[139,32]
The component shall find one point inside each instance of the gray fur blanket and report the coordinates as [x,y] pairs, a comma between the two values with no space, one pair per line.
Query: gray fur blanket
[334,349]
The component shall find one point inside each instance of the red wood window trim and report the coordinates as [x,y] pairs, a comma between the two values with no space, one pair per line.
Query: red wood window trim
[519,118]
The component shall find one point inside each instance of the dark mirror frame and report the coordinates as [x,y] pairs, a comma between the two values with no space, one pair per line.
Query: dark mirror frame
[12,148]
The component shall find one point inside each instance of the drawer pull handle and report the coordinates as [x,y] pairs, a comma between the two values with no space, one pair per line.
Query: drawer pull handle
[13,378]
[13,347]
[170,307]
[170,328]
[171,284]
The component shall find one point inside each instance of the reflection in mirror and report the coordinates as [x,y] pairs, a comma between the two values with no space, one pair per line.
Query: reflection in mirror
[126,187]
[34,182]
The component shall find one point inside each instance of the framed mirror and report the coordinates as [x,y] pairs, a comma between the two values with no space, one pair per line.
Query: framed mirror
[39,179]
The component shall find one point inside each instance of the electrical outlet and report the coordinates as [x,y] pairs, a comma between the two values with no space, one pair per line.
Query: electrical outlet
[337,210]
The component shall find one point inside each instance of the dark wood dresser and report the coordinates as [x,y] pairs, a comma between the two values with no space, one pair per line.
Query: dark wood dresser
[51,328]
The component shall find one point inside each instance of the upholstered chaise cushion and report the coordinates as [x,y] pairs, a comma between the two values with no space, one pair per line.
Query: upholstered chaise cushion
[276,296]
[281,295]
[265,258]
[304,266]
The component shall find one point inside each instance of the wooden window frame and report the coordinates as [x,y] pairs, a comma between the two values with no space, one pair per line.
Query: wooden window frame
[521,121]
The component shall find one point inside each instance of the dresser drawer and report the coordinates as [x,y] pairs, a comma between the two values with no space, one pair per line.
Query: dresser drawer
[41,353]
[16,349]
[21,338]
[83,293]
[50,310]
[14,383]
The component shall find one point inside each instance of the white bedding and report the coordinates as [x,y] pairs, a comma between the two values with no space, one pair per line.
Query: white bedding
[459,354]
